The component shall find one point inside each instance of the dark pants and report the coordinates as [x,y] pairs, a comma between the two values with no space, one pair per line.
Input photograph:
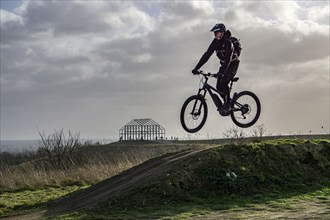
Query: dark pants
[222,83]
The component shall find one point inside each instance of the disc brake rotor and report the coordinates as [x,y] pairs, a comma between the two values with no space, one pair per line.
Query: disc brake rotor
[246,109]
[195,116]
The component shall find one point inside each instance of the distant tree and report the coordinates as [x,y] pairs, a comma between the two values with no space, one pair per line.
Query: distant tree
[58,148]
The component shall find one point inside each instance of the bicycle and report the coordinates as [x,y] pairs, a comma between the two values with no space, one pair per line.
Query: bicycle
[244,107]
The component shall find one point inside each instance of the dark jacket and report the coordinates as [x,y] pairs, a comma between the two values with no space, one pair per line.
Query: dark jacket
[225,52]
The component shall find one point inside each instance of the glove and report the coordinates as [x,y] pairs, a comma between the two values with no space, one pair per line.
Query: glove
[195,71]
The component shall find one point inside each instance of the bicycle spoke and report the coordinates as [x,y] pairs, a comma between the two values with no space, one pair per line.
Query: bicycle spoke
[245,110]
[192,118]
[193,114]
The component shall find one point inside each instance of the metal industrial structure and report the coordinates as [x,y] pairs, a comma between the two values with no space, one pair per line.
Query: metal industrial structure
[142,129]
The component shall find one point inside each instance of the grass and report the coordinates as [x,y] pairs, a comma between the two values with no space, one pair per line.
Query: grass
[223,206]
[271,202]
[96,163]
[272,177]
[27,200]
[27,186]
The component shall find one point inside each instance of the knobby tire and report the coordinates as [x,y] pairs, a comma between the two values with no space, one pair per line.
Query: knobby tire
[253,112]
[193,122]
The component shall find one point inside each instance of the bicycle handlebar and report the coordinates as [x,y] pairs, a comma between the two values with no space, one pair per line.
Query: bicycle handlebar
[200,72]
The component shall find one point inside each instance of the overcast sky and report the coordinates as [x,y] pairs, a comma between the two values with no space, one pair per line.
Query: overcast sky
[92,66]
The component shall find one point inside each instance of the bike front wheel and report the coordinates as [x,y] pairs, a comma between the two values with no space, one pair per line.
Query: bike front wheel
[193,113]
[246,109]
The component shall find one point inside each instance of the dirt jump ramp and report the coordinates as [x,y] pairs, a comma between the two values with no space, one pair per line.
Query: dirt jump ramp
[112,187]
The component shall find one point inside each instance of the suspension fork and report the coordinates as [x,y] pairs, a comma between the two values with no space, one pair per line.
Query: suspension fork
[202,93]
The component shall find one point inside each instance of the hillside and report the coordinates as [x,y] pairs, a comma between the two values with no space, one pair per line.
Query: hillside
[190,175]
[224,170]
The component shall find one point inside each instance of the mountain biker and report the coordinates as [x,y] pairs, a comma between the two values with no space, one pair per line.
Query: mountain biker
[228,59]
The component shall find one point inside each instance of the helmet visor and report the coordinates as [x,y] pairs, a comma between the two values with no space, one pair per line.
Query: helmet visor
[219,27]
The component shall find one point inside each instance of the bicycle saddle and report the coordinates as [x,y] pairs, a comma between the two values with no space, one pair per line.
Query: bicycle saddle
[235,79]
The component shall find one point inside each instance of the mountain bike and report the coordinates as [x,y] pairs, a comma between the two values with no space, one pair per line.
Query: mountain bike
[244,107]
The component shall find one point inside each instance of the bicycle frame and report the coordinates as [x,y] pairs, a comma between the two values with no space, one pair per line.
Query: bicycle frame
[208,88]
[215,98]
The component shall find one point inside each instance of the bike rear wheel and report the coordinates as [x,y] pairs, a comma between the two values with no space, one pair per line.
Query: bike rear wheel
[246,109]
[193,113]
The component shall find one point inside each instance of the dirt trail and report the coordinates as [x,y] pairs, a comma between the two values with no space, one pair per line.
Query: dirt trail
[111,187]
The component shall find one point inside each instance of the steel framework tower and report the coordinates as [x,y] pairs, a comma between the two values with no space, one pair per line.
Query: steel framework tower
[142,129]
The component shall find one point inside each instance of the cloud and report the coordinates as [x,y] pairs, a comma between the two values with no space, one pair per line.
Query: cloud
[7,18]
[91,64]
[79,17]
[274,46]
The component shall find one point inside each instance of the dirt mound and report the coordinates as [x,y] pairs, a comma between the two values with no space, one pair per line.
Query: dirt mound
[231,169]
[115,186]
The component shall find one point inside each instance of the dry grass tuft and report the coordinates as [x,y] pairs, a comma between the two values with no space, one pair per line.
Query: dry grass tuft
[89,164]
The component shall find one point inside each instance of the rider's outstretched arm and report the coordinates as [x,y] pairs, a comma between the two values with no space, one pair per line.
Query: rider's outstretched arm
[206,55]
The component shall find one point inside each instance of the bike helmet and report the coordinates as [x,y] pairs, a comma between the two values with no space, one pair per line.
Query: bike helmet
[219,27]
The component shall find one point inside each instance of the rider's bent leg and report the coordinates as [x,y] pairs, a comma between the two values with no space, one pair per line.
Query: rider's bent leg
[222,83]
[222,86]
